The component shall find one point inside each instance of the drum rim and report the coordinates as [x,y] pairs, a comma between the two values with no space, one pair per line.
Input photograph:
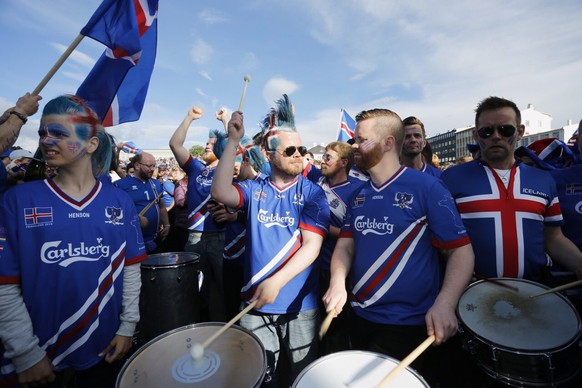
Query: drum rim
[191,326]
[532,352]
[194,259]
[346,352]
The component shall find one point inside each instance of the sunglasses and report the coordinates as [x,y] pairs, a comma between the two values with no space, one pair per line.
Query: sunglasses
[290,151]
[504,130]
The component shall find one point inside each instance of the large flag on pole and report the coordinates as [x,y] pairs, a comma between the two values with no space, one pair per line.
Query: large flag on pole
[347,127]
[117,85]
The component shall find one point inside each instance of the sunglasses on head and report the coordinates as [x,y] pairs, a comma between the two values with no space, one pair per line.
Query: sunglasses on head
[504,130]
[290,151]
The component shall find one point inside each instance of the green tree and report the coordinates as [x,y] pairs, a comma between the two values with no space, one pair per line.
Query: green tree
[197,151]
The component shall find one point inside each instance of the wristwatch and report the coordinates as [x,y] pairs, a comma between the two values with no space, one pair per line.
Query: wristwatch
[20,116]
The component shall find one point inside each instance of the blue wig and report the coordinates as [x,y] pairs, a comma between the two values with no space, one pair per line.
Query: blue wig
[86,125]
[280,118]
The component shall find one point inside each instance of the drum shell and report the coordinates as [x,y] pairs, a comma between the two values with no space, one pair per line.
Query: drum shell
[535,367]
[356,369]
[243,360]
[169,297]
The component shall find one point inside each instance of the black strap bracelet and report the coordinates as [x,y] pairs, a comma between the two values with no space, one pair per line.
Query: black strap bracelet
[20,116]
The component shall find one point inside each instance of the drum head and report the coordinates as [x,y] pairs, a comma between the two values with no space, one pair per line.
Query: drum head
[235,359]
[169,259]
[355,369]
[513,320]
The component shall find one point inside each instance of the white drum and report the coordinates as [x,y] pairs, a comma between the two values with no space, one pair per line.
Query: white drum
[235,359]
[355,369]
[517,339]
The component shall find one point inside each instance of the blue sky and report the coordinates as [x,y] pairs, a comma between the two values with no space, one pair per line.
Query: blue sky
[431,59]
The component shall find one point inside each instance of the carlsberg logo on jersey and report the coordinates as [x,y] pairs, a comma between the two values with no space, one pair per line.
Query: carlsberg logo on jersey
[53,252]
[372,226]
[275,219]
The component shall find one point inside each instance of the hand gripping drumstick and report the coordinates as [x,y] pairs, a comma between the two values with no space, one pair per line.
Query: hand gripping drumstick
[197,350]
[242,99]
[145,209]
[407,361]
[560,288]
[326,322]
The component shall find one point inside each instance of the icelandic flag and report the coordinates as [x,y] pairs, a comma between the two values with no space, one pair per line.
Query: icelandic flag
[347,127]
[129,147]
[117,85]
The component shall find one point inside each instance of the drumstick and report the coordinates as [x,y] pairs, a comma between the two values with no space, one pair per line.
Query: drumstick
[407,361]
[560,288]
[242,99]
[326,322]
[145,209]
[496,282]
[197,350]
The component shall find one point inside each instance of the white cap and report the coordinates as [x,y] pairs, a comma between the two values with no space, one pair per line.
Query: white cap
[19,154]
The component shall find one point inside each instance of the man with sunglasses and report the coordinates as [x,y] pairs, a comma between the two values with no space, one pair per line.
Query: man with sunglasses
[511,210]
[287,217]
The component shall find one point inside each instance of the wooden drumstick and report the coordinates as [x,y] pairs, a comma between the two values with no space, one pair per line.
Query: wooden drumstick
[326,322]
[244,93]
[197,350]
[145,209]
[560,288]
[407,361]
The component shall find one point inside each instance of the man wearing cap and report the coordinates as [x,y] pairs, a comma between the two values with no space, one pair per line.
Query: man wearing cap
[16,168]
[206,235]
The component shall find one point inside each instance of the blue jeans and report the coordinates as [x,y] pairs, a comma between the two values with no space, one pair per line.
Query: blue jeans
[294,333]
[210,246]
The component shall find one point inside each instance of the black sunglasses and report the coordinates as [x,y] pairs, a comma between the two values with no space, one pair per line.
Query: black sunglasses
[290,151]
[504,130]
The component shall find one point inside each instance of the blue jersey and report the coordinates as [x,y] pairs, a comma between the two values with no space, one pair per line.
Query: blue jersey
[432,170]
[397,228]
[235,237]
[168,188]
[338,197]
[68,258]
[569,186]
[506,225]
[143,193]
[197,197]
[275,217]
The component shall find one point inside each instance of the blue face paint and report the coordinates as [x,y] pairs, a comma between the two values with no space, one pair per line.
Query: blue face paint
[51,134]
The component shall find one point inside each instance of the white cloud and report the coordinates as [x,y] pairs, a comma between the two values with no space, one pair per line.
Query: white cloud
[205,74]
[201,52]
[212,16]
[277,86]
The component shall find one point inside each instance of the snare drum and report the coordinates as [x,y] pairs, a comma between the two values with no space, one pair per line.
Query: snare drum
[517,339]
[235,359]
[357,369]
[169,295]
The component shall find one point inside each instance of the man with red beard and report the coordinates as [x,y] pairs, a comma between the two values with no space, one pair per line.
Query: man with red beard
[397,227]
[206,235]
[414,143]
[287,217]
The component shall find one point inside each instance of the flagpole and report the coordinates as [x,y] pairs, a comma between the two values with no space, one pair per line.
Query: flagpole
[69,50]
[58,64]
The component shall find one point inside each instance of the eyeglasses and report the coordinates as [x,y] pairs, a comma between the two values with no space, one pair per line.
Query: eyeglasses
[290,151]
[327,157]
[504,130]
[147,165]
[351,141]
